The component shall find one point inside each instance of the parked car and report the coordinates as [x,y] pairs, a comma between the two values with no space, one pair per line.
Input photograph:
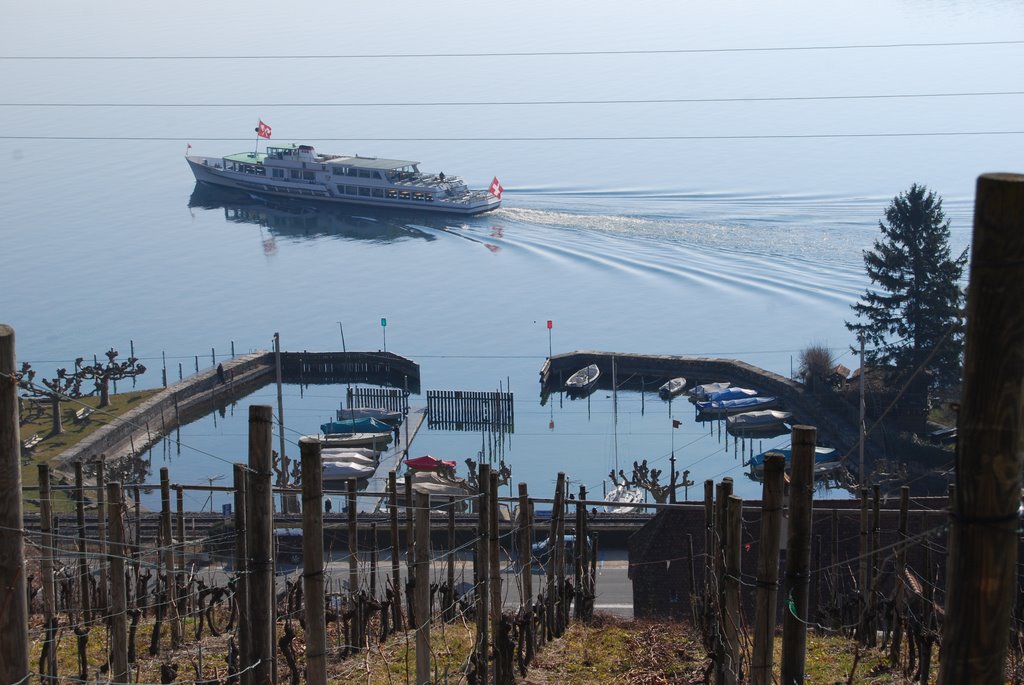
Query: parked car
[541,551]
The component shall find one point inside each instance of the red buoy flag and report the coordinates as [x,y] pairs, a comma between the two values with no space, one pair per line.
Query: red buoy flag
[263,131]
[550,323]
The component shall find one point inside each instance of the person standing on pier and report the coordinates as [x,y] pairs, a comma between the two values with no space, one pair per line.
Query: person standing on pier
[398,436]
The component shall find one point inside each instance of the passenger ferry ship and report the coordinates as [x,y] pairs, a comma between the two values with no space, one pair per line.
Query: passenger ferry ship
[298,171]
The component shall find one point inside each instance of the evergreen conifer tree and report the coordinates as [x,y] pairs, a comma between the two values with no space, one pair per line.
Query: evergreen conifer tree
[912,316]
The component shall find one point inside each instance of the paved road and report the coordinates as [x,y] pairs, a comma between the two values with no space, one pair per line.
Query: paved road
[614,589]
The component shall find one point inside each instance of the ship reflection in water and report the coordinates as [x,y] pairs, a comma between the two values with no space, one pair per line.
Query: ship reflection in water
[286,218]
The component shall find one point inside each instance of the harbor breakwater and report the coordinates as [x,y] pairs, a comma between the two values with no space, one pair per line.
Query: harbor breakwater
[645,372]
[204,392]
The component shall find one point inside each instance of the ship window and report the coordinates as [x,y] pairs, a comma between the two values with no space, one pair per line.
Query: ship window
[278,173]
[417,196]
[365,173]
[392,193]
[404,194]
[308,175]
[340,170]
[351,190]
[365,192]
[378,192]
[376,174]
[295,174]
[351,172]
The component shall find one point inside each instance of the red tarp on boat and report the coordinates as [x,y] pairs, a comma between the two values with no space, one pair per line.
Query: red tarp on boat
[428,463]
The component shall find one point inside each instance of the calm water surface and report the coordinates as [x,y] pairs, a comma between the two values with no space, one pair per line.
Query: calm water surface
[738,241]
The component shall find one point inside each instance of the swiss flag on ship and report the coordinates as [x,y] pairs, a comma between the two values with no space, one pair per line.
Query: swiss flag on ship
[496,188]
[263,131]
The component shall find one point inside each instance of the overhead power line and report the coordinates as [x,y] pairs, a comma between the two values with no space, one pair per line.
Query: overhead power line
[537,53]
[516,139]
[507,103]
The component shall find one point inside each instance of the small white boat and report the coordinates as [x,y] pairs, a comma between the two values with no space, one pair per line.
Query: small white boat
[620,498]
[733,393]
[701,392]
[758,419]
[344,470]
[388,416]
[374,441]
[672,388]
[584,379]
[353,454]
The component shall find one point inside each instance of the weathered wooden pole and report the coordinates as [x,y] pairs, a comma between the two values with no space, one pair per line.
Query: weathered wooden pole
[494,579]
[834,569]
[864,578]
[260,544]
[450,599]
[482,589]
[526,554]
[578,555]
[709,543]
[798,555]
[373,561]
[983,548]
[731,583]
[396,575]
[46,569]
[14,664]
[118,592]
[179,552]
[901,565]
[875,570]
[422,589]
[101,529]
[167,543]
[83,560]
[553,591]
[768,570]
[313,561]
[241,574]
[353,537]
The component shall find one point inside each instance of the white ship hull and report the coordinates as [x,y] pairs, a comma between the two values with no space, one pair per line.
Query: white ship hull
[420,193]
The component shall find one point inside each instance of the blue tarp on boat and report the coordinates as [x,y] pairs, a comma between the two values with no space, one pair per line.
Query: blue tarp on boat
[735,406]
[363,425]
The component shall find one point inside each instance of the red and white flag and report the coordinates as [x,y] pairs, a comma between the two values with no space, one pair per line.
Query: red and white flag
[263,131]
[496,188]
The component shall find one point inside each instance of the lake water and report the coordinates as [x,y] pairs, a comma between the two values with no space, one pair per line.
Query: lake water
[729,222]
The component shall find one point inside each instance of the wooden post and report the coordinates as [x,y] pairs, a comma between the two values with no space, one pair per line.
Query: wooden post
[731,583]
[876,542]
[901,565]
[373,562]
[167,544]
[353,537]
[313,561]
[983,550]
[260,545]
[450,599]
[101,529]
[798,555]
[864,579]
[834,571]
[422,589]
[494,581]
[14,617]
[558,550]
[396,579]
[118,594]
[709,542]
[241,574]
[137,547]
[83,563]
[46,568]
[526,553]
[552,591]
[179,557]
[768,570]
[482,591]
[578,555]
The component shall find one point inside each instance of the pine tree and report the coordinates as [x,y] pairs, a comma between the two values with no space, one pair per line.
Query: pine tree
[913,314]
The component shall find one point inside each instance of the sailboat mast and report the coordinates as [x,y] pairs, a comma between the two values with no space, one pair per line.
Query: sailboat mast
[615,412]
